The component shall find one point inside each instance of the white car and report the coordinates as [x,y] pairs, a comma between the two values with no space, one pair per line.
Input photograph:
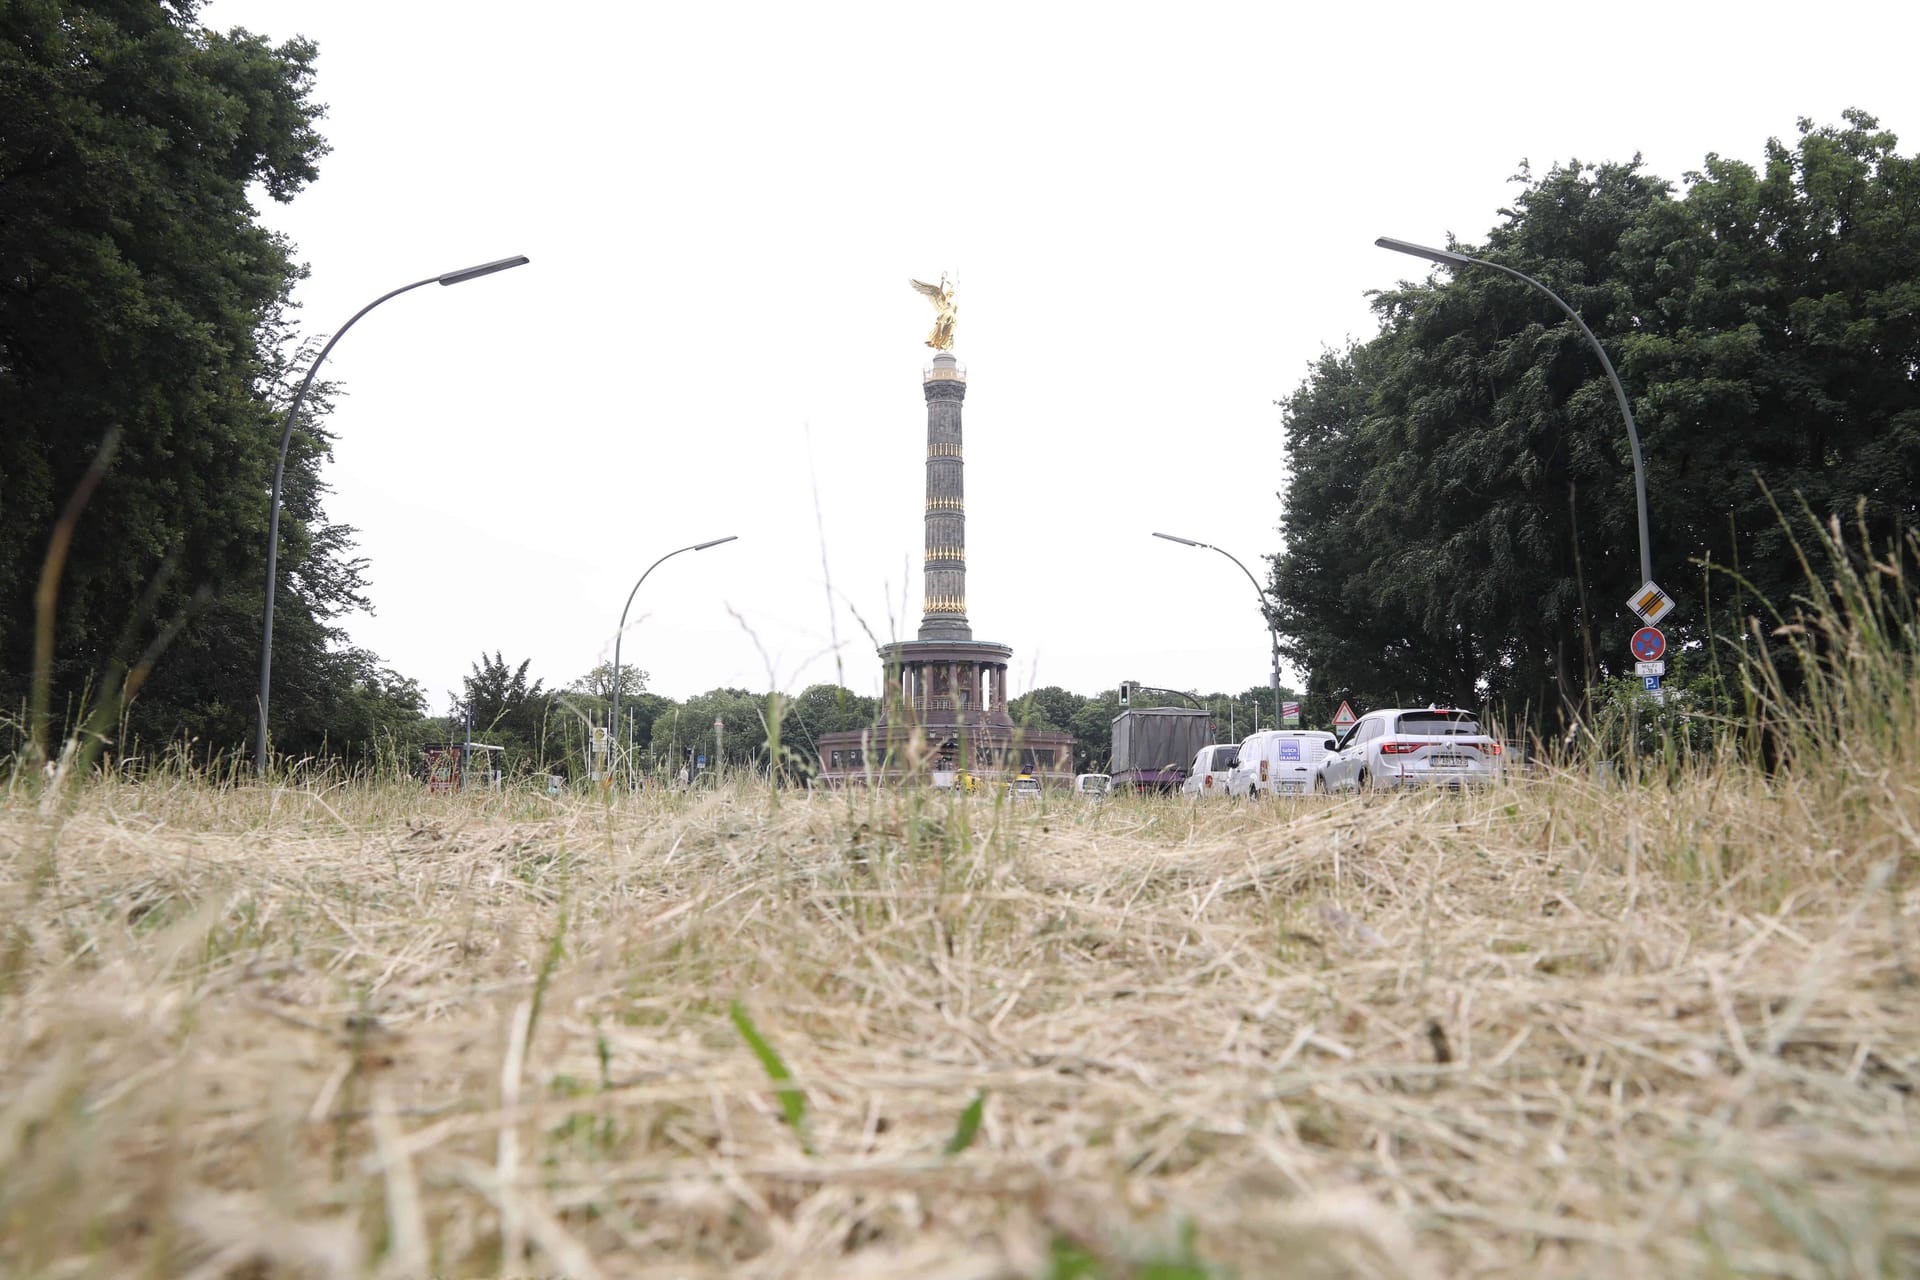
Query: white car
[1411,747]
[1278,762]
[1211,765]
[1092,786]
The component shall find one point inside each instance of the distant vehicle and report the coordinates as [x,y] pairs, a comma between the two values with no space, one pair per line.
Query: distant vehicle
[1279,762]
[1411,747]
[1152,746]
[1207,775]
[1094,786]
[1024,787]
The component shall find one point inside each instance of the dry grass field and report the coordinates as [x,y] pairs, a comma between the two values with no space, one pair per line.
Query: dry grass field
[1664,1028]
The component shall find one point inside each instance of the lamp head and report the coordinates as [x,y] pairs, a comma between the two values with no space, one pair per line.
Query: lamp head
[484,269]
[1189,542]
[702,546]
[1444,257]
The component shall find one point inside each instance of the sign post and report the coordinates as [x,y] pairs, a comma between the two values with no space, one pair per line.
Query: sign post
[1649,645]
[602,743]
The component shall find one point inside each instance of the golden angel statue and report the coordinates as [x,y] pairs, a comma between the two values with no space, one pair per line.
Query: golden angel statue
[941,295]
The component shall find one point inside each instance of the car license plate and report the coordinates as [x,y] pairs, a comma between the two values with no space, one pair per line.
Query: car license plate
[1447,762]
[1292,788]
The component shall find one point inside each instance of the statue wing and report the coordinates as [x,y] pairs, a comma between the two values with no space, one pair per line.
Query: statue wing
[930,290]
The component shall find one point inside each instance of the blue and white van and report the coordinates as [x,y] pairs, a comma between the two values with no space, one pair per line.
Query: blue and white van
[1279,762]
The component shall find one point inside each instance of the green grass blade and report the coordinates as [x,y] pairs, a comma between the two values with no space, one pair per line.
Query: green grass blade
[969,1126]
[793,1102]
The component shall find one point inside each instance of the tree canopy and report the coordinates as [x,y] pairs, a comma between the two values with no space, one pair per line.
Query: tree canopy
[1460,515]
[139,295]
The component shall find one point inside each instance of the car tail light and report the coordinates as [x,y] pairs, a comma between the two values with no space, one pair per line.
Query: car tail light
[1263,771]
[1400,748]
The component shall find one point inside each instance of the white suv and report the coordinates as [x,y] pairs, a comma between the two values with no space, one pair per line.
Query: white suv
[1411,747]
[1278,762]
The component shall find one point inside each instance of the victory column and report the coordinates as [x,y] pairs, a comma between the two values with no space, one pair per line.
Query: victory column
[945,705]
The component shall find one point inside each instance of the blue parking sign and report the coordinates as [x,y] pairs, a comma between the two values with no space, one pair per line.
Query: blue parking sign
[1651,682]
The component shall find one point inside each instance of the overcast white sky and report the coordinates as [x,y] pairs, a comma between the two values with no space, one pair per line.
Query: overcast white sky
[1159,215]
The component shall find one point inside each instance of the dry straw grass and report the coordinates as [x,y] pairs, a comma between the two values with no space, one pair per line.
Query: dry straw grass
[1667,1028]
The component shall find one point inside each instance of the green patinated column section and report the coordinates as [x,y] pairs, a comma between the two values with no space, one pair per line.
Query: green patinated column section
[944,607]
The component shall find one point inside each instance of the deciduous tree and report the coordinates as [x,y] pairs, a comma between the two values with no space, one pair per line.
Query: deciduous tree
[138,292]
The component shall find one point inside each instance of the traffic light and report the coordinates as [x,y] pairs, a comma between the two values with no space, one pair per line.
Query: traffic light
[1126,691]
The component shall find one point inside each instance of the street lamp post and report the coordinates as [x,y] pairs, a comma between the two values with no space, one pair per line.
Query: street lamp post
[698,546]
[1272,635]
[1447,258]
[280,465]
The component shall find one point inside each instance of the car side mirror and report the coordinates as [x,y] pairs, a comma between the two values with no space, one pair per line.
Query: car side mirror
[1332,745]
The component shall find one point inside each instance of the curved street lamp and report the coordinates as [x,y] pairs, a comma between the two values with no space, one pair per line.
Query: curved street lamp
[280,465]
[1272,635]
[1447,258]
[613,723]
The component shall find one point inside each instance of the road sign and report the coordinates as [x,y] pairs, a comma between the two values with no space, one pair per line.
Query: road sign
[1650,602]
[1649,668]
[1648,645]
[1344,717]
[1651,682]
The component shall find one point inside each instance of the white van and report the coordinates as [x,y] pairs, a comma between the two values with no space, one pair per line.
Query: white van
[1279,762]
[1208,774]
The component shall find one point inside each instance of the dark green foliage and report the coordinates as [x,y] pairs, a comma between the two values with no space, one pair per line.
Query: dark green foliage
[825,708]
[681,732]
[138,292]
[502,703]
[1460,521]
[1090,719]
[684,732]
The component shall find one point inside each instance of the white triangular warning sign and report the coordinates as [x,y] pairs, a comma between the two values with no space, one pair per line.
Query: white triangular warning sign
[1344,716]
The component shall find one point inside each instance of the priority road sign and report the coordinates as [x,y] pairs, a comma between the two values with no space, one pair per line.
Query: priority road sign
[1344,717]
[1650,602]
[1649,644]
